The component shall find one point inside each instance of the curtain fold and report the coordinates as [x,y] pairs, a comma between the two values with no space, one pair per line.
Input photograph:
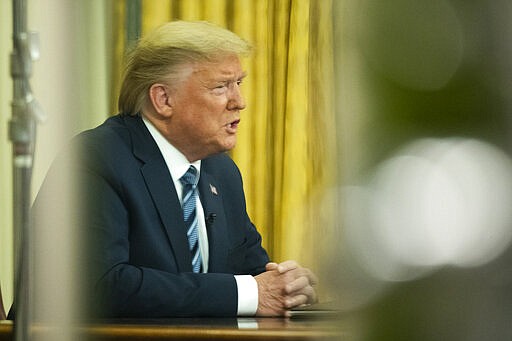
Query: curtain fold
[295,135]
[286,144]
[118,51]
[155,13]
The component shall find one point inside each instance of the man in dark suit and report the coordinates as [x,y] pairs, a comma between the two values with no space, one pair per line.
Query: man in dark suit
[180,106]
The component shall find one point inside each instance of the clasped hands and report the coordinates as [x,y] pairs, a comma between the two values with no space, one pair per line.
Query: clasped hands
[283,287]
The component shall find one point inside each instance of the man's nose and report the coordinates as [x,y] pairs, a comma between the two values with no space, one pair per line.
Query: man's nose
[236,100]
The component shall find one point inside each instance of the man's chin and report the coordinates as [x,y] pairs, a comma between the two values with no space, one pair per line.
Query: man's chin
[220,147]
[229,144]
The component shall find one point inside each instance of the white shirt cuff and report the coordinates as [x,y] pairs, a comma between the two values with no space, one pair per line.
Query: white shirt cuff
[247,295]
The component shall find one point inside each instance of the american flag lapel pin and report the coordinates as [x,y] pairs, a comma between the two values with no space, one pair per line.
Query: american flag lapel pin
[213,189]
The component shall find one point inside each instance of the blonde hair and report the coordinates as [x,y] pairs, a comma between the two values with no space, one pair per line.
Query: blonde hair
[158,57]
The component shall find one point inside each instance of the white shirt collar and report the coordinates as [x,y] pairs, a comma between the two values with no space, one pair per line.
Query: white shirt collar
[175,160]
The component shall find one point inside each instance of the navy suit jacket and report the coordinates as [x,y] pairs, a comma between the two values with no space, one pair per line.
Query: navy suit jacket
[137,259]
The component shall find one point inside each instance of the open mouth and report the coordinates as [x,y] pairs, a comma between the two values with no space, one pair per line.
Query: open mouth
[233,125]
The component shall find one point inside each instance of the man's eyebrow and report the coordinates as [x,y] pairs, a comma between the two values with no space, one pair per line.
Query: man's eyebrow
[230,75]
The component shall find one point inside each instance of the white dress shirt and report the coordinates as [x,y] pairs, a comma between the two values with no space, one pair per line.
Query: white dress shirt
[178,165]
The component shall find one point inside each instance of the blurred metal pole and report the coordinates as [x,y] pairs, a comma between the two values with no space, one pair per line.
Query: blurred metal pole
[22,131]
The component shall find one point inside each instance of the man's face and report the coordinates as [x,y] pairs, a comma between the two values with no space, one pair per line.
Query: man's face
[206,108]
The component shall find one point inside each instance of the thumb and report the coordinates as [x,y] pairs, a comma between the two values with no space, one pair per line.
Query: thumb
[271,266]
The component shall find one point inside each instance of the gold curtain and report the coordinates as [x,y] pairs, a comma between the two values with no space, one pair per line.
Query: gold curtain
[286,144]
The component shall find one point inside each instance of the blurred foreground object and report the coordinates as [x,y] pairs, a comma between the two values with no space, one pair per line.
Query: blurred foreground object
[437,202]
[425,252]
[424,243]
[26,113]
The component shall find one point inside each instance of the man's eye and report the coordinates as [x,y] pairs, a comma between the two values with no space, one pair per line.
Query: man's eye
[219,89]
[220,86]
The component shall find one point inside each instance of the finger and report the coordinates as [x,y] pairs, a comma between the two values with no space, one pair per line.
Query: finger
[313,279]
[296,285]
[310,293]
[271,266]
[287,266]
[290,265]
[306,297]
[300,273]
[307,291]
[295,301]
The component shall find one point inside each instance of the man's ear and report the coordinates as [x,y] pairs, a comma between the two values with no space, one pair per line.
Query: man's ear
[160,99]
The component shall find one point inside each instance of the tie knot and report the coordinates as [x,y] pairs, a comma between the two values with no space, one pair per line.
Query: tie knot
[190,177]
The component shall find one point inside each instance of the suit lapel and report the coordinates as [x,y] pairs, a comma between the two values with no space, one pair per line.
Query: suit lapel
[161,188]
[211,199]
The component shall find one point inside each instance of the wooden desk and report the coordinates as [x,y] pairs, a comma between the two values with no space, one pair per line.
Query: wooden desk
[195,329]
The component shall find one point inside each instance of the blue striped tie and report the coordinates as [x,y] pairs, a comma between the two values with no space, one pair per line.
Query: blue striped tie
[189,182]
